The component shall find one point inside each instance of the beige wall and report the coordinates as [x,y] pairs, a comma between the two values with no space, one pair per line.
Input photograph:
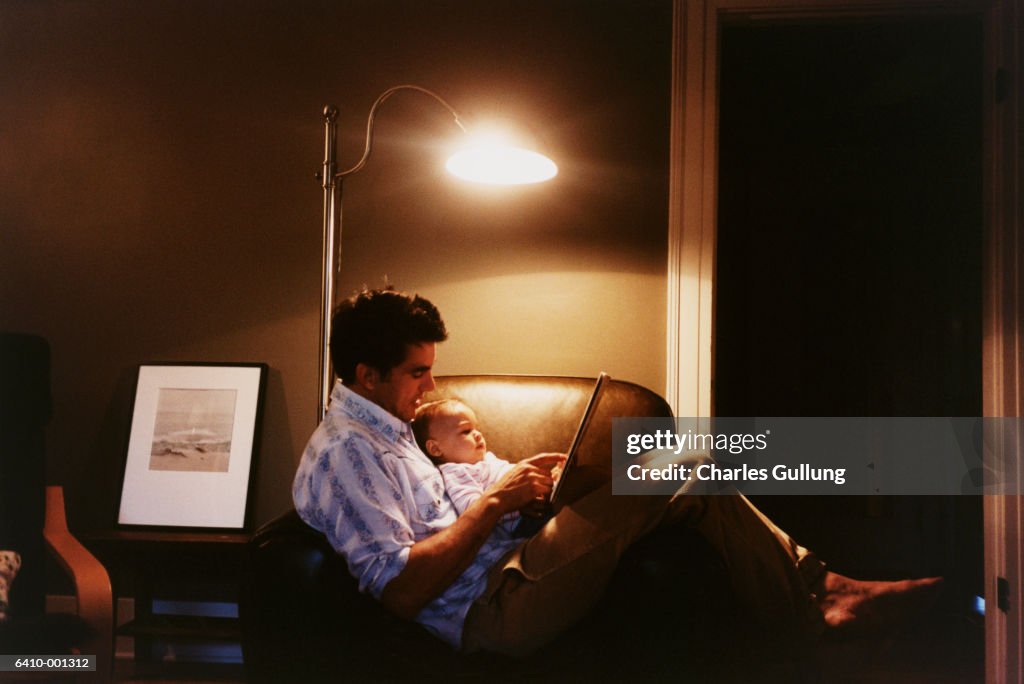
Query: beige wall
[544,332]
[157,200]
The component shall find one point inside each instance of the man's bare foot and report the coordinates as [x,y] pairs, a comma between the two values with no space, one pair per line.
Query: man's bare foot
[854,606]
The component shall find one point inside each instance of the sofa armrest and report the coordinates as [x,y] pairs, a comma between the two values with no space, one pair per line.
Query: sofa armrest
[92,583]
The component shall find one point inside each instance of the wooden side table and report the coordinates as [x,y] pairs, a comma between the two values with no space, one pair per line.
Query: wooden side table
[184,566]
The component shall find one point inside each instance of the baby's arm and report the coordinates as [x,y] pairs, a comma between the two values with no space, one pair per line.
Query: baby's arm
[493,469]
[466,482]
[463,484]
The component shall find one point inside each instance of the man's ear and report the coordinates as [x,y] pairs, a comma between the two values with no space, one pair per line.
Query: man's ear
[433,448]
[367,376]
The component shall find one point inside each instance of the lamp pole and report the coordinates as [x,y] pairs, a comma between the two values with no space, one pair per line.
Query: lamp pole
[332,237]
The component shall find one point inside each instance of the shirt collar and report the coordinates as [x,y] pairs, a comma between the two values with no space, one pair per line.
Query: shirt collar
[346,402]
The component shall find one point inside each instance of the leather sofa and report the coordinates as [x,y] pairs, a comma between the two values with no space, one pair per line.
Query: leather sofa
[304,620]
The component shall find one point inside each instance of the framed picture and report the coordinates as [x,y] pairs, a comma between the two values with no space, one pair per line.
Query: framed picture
[191,447]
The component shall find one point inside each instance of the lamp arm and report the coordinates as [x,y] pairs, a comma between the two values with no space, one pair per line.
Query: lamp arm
[332,182]
[373,114]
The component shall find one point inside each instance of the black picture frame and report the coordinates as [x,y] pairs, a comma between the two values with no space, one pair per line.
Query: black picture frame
[192,446]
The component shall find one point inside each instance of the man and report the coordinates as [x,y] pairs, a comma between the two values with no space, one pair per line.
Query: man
[381,503]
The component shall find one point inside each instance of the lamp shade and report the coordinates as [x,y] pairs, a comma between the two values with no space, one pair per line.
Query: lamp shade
[497,164]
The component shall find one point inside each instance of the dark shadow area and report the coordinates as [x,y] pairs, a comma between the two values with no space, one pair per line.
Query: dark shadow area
[849,271]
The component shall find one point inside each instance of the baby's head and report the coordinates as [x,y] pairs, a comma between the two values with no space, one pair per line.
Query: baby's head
[447,432]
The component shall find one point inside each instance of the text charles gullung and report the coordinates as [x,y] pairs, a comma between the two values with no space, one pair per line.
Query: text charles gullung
[666,440]
[708,472]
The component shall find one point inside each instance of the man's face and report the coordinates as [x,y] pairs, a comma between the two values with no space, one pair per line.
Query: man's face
[400,393]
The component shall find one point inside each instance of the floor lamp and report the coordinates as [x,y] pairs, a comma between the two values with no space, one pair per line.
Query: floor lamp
[481,160]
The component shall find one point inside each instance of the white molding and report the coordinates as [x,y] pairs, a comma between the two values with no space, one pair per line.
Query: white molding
[693,168]
[1003,327]
[673,296]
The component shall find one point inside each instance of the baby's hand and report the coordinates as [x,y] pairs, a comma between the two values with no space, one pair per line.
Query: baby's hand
[527,483]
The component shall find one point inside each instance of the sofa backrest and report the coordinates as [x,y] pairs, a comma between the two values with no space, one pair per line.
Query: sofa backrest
[521,415]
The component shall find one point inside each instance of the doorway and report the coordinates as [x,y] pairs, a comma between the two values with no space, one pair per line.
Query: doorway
[849,260]
[696,283]
[693,224]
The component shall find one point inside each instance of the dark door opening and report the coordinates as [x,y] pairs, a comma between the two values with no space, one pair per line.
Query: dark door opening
[849,260]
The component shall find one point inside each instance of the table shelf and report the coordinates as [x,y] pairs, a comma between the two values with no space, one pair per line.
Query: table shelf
[167,567]
[173,627]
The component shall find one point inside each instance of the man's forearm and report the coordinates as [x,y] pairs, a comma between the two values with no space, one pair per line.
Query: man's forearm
[437,561]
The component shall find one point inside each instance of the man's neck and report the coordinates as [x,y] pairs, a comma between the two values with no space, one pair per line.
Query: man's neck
[356,388]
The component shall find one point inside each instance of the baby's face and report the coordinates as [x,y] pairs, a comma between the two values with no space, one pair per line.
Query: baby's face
[456,435]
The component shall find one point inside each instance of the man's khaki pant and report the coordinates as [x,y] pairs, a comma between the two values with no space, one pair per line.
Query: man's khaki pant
[553,579]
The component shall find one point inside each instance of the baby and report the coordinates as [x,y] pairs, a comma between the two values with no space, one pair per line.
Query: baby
[447,432]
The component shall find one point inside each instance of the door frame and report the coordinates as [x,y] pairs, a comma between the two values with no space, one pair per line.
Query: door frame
[693,195]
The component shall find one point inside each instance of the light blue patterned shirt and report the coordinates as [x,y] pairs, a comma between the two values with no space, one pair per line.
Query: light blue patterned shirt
[365,484]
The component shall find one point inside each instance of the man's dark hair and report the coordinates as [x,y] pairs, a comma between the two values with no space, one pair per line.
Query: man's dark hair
[375,327]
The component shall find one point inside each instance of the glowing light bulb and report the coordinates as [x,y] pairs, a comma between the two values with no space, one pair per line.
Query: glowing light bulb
[490,160]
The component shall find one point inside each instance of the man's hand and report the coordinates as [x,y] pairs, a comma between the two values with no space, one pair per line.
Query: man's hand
[527,487]
[435,562]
